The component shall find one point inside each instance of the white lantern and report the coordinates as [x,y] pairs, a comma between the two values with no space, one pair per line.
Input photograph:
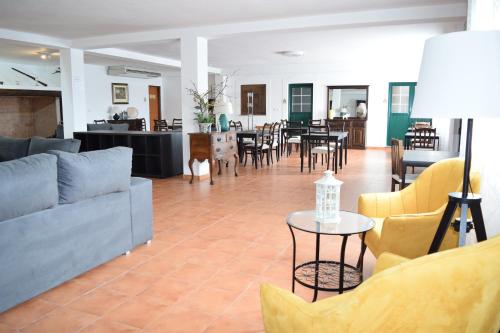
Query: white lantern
[328,198]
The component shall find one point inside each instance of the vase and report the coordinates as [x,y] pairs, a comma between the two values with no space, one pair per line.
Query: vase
[116,116]
[224,125]
[205,127]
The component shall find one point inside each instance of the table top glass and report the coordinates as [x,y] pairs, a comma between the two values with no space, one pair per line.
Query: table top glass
[350,223]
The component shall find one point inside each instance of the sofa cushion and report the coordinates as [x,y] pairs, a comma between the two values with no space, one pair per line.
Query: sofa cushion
[94,173]
[12,148]
[40,145]
[28,185]
[98,127]
[119,127]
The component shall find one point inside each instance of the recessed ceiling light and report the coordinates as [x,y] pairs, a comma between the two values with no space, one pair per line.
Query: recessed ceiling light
[45,55]
[291,53]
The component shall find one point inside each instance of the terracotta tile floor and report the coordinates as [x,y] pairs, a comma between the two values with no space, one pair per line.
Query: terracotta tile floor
[212,247]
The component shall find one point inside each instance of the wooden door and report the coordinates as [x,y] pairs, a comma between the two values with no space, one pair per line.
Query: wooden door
[401,96]
[154,106]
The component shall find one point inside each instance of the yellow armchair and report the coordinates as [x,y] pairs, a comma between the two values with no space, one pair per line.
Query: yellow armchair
[450,291]
[407,220]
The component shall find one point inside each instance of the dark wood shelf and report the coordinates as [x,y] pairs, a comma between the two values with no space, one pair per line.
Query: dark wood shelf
[155,154]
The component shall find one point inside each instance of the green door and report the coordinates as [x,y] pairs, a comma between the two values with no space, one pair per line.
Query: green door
[400,103]
[300,106]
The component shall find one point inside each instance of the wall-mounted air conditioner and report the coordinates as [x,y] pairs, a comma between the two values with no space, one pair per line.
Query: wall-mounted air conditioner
[132,72]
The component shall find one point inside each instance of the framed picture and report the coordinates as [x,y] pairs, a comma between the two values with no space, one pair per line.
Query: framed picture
[257,96]
[119,92]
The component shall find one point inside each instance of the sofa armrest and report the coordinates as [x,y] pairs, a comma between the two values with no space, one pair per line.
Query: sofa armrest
[387,260]
[141,210]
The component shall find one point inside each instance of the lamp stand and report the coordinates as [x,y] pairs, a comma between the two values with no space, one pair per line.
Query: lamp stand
[465,201]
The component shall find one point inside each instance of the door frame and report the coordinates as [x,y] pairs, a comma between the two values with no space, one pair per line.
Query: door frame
[294,85]
[151,124]
[411,97]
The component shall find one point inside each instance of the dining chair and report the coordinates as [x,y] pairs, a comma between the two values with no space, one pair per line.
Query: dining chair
[100,121]
[320,145]
[292,137]
[161,125]
[263,146]
[425,138]
[176,124]
[275,141]
[397,151]
[314,122]
[143,124]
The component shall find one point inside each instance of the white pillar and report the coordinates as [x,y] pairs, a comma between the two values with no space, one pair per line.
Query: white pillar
[194,70]
[73,91]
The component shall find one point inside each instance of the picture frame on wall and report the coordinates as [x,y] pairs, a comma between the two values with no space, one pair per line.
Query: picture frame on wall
[119,92]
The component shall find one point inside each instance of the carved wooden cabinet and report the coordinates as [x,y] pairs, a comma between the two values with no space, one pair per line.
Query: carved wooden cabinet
[213,147]
[356,129]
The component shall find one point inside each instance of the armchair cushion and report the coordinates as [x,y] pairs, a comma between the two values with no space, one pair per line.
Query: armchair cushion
[450,291]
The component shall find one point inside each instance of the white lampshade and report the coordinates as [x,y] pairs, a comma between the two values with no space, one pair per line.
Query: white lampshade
[132,112]
[223,107]
[459,76]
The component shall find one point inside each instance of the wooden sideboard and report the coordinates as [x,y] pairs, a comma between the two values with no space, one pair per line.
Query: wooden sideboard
[155,154]
[133,124]
[218,146]
[357,131]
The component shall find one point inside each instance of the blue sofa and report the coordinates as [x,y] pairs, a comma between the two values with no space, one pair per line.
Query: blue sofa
[62,214]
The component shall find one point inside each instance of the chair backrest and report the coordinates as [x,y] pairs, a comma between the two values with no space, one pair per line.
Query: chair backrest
[397,151]
[275,132]
[422,124]
[424,138]
[266,133]
[315,122]
[324,130]
[176,123]
[100,121]
[239,125]
[143,124]
[161,125]
[335,125]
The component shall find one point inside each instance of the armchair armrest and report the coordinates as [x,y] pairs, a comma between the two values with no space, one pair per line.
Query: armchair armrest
[387,260]
[411,235]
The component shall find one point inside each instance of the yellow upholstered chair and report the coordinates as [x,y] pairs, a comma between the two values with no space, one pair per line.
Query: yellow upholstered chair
[407,220]
[450,291]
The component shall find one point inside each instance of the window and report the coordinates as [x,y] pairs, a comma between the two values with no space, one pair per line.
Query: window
[400,99]
[301,98]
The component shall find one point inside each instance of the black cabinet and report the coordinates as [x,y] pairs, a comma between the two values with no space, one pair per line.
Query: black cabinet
[155,154]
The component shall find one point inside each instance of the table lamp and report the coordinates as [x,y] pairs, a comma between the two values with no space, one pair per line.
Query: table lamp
[459,76]
[221,110]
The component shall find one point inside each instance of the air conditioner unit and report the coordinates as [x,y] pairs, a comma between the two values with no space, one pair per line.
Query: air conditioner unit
[132,72]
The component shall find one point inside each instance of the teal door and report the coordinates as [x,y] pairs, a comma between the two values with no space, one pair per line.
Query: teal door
[300,106]
[401,95]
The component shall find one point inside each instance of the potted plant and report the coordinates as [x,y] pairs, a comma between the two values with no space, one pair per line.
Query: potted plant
[205,104]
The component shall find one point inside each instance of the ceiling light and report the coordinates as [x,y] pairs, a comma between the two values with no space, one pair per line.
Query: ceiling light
[45,55]
[291,53]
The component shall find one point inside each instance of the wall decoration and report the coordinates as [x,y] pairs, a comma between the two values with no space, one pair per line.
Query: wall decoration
[119,92]
[259,99]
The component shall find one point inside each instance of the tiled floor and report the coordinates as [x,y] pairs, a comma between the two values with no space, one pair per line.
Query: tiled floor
[213,246]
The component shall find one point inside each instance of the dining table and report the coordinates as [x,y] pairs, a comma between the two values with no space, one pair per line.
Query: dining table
[423,158]
[333,136]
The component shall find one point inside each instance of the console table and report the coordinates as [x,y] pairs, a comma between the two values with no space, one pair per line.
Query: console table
[213,146]
[155,154]
[133,124]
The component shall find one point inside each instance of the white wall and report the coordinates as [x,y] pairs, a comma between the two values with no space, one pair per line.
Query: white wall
[172,107]
[277,79]
[98,91]
[42,73]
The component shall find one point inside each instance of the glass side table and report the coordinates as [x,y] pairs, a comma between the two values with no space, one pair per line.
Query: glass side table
[329,275]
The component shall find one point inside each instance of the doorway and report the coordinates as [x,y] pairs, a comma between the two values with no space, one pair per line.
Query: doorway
[400,104]
[154,106]
[300,106]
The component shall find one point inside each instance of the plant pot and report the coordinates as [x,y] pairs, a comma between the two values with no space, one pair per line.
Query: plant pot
[205,127]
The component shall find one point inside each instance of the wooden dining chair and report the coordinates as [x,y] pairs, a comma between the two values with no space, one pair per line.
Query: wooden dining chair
[292,137]
[314,122]
[275,141]
[161,125]
[397,151]
[176,124]
[100,121]
[425,138]
[320,146]
[143,124]
[263,146]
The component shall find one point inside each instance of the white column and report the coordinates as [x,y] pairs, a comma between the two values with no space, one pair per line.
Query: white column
[194,70]
[73,91]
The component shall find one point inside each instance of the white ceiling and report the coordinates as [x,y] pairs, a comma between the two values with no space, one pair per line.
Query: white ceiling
[320,47]
[77,19]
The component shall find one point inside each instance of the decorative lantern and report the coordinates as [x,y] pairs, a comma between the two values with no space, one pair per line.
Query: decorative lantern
[328,198]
